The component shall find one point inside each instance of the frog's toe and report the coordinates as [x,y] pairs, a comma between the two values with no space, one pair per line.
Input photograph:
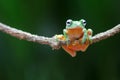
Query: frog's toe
[90,32]
[90,39]
[59,37]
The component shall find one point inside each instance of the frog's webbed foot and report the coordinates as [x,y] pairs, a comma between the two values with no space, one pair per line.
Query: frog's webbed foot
[59,37]
[70,51]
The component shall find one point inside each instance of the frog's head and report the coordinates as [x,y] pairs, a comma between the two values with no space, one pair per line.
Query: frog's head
[73,24]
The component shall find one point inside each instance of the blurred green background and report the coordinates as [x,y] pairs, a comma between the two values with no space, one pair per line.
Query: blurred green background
[22,60]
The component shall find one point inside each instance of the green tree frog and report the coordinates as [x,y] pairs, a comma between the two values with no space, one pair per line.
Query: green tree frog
[78,38]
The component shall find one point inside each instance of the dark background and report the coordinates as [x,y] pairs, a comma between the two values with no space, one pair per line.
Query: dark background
[22,60]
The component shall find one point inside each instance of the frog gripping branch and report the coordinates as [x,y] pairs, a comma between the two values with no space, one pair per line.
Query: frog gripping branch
[75,36]
[78,38]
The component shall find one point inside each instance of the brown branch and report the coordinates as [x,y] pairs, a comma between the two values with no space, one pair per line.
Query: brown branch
[104,35]
[52,41]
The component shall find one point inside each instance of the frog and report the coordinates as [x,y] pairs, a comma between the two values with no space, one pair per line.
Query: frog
[77,37]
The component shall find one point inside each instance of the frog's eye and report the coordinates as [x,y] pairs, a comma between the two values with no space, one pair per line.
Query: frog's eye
[68,22]
[83,22]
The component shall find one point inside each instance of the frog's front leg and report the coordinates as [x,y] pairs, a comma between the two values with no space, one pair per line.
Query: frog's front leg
[84,36]
[90,32]
[66,36]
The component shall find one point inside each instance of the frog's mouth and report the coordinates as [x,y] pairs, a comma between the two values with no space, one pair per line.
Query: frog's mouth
[77,27]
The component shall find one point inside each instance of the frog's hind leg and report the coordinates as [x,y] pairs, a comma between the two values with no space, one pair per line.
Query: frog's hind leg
[71,52]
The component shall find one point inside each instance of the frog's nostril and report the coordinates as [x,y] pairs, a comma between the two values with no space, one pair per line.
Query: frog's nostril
[78,23]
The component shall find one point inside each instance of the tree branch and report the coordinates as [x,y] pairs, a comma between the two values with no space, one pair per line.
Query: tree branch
[104,35]
[52,41]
